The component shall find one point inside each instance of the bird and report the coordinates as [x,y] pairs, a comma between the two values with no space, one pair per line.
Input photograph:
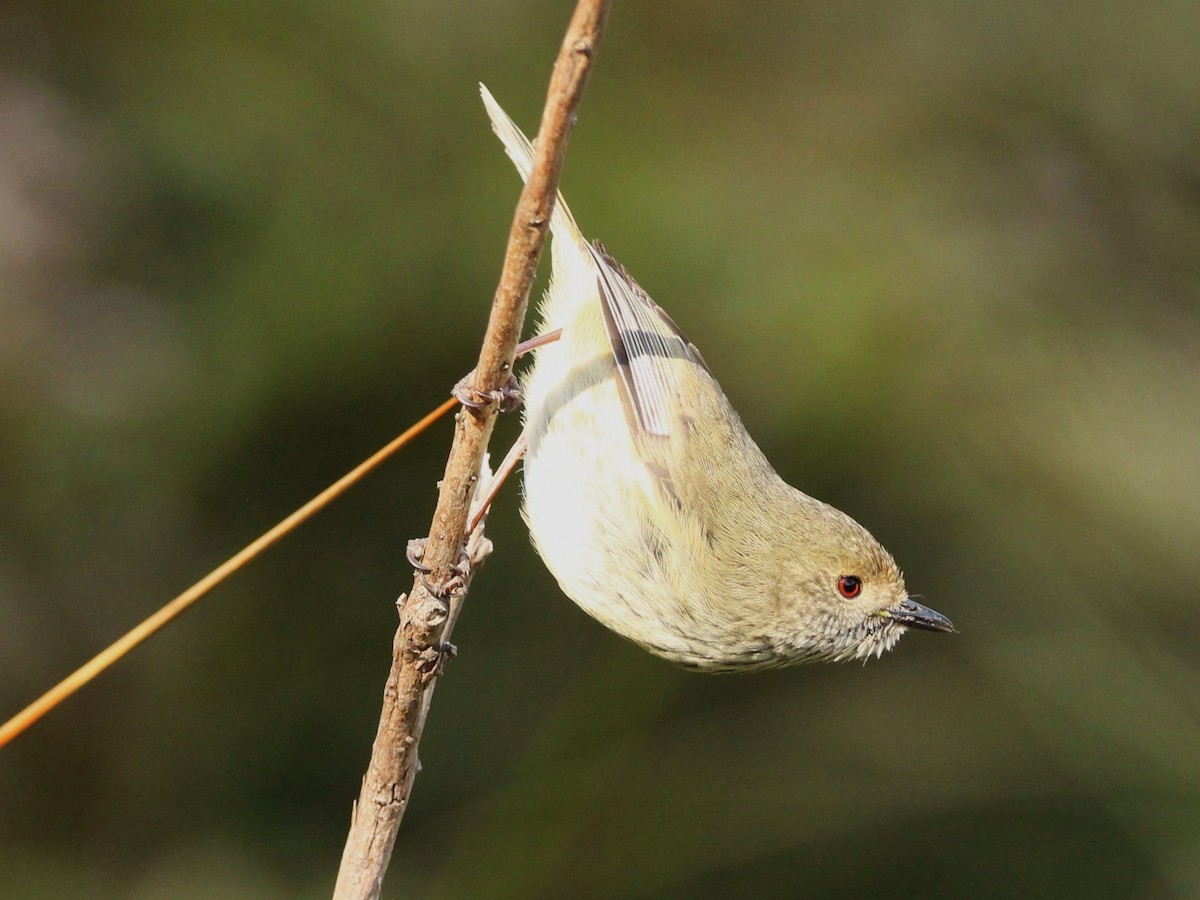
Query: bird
[654,509]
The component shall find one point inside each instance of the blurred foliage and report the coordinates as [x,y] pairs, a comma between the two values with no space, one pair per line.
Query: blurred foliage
[945,259]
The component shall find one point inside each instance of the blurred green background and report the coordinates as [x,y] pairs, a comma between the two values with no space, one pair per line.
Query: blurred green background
[945,259]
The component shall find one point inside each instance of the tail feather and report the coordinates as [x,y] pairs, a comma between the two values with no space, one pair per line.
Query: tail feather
[520,151]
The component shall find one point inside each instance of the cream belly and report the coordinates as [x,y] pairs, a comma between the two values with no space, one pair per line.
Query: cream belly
[653,507]
[579,469]
[617,544]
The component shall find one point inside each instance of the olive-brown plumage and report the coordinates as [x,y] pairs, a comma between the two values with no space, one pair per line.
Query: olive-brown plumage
[653,507]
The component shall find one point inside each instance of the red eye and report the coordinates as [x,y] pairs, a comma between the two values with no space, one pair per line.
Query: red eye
[849,586]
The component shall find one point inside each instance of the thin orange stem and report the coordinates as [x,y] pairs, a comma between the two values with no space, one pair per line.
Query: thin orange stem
[122,646]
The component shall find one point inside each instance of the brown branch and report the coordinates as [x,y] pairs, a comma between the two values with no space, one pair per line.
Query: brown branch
[427,616]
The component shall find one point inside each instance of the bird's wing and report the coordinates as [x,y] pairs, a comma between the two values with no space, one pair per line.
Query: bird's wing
[644,340]
[646,344]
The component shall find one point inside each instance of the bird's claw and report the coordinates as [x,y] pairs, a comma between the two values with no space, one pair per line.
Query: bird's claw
[459,572]
[508,395]
[431,660]
[413,553]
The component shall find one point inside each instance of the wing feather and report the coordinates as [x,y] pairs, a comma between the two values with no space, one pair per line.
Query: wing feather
[644,342]
[647,346]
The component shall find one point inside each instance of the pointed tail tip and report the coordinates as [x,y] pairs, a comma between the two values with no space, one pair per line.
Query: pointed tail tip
[495,112]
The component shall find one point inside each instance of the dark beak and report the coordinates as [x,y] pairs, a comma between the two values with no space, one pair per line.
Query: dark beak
[912,614]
